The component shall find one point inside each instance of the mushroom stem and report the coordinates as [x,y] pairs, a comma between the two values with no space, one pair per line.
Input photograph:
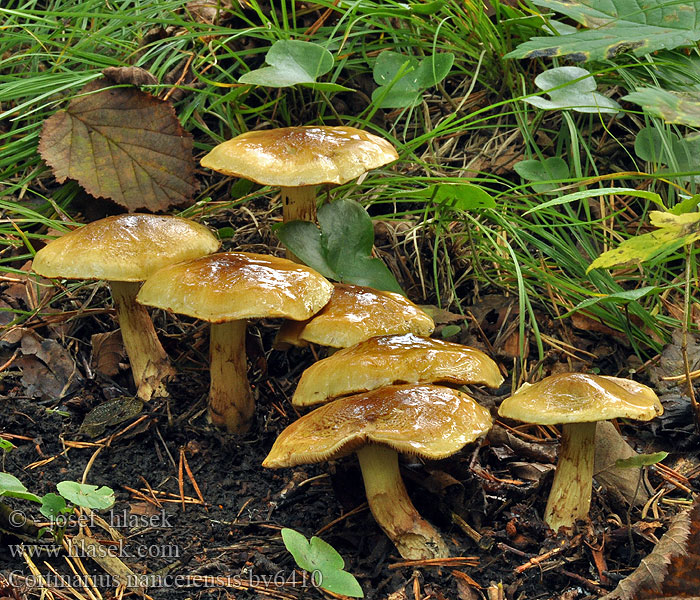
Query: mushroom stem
[231,401]
[149,362]
[299,203]
[393,510]
[570,496]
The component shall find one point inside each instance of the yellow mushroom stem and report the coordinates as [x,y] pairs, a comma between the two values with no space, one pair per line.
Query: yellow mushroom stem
[150,366]
[570,496]
[393,510]
[299,203]
[231,400]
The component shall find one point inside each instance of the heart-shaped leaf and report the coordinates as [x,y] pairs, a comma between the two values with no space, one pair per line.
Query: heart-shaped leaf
[293,62]
[52,505]
[122,144]
[323,562]
[571,88]
[341,249]
[13,488]
[402,79]
[549,170]
[87,495]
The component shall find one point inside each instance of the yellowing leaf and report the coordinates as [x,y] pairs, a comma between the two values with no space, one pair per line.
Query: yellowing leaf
[674,231]
[121,144]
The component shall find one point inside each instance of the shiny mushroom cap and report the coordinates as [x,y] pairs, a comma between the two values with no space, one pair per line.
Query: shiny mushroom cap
[356,313]
[237,285]
[297,156]
[581,398]
[390,359]
[123,248]
[430,421]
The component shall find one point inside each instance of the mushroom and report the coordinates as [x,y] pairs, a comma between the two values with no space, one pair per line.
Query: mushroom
[298,159]
[427,421]
[577,401]
[125,250]
[356,313]
[226,289]
[391,359]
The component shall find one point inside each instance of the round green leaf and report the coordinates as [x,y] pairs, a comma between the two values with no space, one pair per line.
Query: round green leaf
[87,495]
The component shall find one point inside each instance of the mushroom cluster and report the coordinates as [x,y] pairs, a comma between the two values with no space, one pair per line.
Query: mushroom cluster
[124,250]
[380,399]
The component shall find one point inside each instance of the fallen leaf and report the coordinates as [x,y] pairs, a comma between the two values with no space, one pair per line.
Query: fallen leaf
[107,352]
[671,363]
[48,371]
[112,412]
[672,569]
[121,144]
[609,447]
[129,76]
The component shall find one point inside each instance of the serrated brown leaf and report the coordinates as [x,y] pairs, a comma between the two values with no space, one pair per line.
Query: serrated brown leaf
[672,569]
[121,144]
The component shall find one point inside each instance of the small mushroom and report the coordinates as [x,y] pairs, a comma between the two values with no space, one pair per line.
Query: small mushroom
[577,401]
[125,250]
[298,159]
[391,359]
[427,421]
[356,313]
[226,289]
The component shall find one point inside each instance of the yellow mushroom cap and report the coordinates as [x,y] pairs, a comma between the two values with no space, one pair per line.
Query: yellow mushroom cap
[389,359]
[426,420]
[356,313]
[296,156]
[581,398]
[123,248]
[229,286]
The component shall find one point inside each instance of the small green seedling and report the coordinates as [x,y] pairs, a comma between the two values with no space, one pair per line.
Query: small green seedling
[640,460]
[292,62]
[341,249]
[403,79]
[571,88]
[323,562]
[53,505]
[86,495]
[543,174]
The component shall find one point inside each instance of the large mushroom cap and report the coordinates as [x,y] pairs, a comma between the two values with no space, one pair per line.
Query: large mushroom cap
[237,285]
[297,156]
[389,359]
[123,248]
[581,398]
[427,420]
[356,313]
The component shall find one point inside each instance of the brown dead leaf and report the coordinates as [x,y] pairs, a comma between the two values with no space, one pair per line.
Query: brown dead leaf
[48,371]
[121,144]
[129,75]
[671,362]
[672,570]
[107,352]
[610,446]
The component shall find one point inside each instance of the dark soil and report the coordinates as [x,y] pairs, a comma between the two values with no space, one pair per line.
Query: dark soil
[235,534]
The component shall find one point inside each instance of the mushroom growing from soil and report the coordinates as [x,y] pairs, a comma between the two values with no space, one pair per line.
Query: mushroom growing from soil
[427,421]
[577,401]
[392,359]
[298,159]
[356,313]
[124,250]
[227,289]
